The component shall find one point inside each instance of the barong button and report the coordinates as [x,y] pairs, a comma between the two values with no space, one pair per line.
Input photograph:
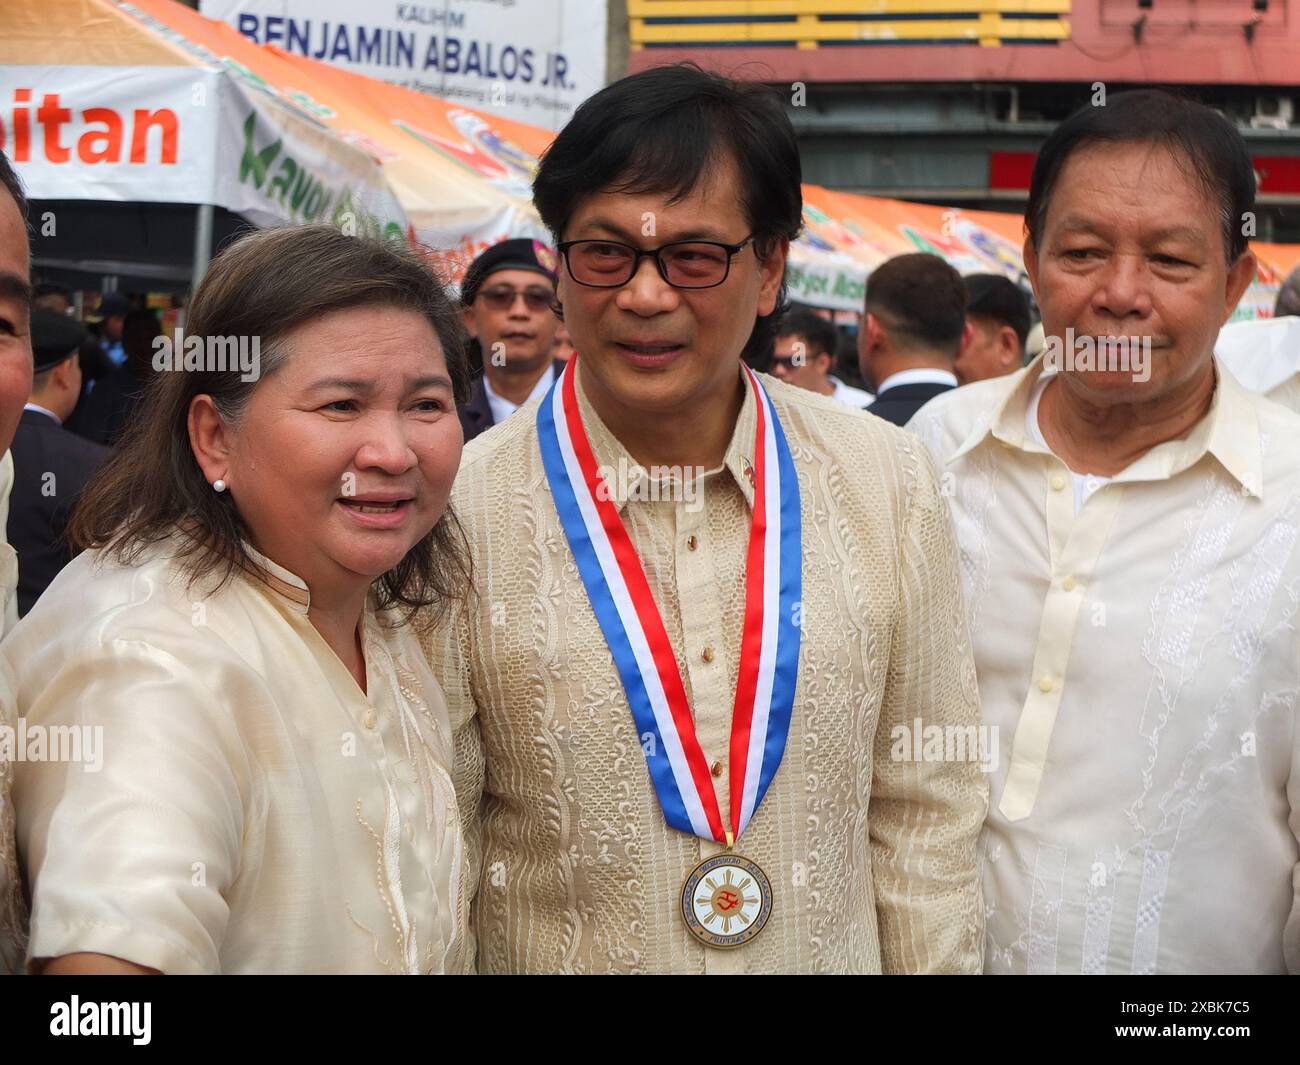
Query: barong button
[1045,685]
[717,769]
[370,719]
[1058,482]
[707,654]
[1069,584]
[692,543]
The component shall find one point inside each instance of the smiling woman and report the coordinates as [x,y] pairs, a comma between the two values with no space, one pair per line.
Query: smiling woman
[304,289]
[275,792]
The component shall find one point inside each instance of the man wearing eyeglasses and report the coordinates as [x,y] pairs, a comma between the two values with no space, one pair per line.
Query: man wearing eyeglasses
[507,299]
[805,356]
[713,611]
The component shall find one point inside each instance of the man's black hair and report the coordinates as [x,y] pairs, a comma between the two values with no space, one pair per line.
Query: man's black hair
[9,181]
[993,296]
[1202,139]
[921,300]
[816,332]
[660,132]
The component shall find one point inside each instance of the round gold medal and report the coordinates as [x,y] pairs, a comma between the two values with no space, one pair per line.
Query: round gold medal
[726,900]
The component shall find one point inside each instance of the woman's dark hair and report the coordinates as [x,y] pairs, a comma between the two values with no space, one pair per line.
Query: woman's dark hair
[266,285]
[658,132]
[1209,145]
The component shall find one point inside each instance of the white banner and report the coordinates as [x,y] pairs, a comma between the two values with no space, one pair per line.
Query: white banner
[275,165]
[530,60]
[825,279]
[111,133]
[185,135]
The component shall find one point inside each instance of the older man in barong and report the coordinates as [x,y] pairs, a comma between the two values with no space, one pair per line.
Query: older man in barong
[711,605]
[1128,516]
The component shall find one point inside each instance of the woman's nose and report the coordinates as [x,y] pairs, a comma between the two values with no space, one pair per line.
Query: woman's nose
[386,447]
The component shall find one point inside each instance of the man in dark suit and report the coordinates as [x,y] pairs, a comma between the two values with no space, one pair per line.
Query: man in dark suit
[913,328]
[507,299]
[51,464]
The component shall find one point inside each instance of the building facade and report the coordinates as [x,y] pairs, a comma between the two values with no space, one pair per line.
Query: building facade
[947,101]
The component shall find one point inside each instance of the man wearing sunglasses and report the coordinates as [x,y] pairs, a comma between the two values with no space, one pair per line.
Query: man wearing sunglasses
[507,299]
[711,608]
[805,356]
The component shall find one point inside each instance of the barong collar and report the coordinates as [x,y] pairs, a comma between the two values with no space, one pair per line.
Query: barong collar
[288,586]
[1229,431]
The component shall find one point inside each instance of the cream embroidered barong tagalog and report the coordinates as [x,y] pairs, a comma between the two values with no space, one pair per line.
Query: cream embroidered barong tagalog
[872,860]
[1141,661]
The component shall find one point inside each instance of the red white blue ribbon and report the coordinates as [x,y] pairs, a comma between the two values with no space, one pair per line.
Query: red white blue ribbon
[620,595]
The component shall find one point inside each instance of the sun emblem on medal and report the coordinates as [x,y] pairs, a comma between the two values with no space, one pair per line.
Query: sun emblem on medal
[726,900]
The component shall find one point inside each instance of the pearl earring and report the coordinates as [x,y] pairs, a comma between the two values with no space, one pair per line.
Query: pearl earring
[218,485]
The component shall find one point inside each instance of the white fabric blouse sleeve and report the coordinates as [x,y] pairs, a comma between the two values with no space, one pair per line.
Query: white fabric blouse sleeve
[129,850]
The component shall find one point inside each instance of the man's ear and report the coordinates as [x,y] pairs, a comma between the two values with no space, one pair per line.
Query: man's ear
[869,335]
[967,335]
[1240,275]
[66,373]
[1010,350]
[877,333]
[210,439]
[771,271]
[1030,255]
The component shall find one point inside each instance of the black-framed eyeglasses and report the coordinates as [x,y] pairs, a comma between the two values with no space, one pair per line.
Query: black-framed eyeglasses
[683,263]
[502,299]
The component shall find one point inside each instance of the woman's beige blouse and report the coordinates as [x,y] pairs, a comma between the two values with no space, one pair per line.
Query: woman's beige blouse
[252,810]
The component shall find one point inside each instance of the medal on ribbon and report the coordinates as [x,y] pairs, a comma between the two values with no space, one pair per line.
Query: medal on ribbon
[727,903]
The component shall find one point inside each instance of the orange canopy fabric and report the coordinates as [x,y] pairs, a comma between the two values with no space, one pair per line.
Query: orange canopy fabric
[1283,258]
[462,176]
